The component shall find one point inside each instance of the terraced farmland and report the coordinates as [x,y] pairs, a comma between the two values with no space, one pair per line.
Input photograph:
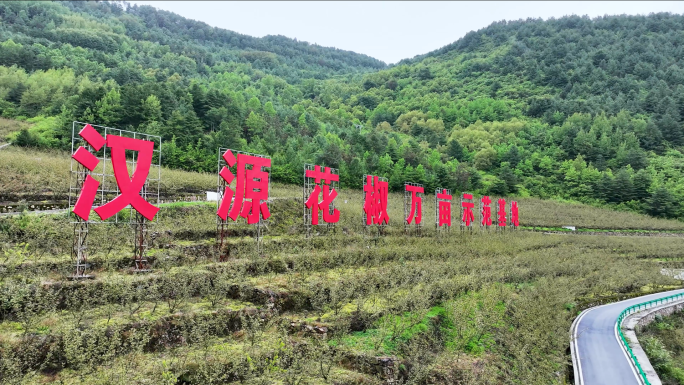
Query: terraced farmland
[344,307]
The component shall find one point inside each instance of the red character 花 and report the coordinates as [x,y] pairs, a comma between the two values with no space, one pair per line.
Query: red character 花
[375,201]
[468,216]
[444,208]
[486,212]
[514,214]
[129,187]
[328,195]
[501,212]
[416,204]
[251,190]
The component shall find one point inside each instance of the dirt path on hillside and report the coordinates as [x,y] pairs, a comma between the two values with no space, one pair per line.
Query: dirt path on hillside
[618,233]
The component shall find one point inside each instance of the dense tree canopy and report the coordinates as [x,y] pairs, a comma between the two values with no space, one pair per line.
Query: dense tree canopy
[574,108]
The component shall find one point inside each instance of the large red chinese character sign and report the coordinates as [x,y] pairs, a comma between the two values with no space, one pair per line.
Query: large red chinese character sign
[375,192]
[243,190]
[113,169]
[413,206]
[514,214]
[443,208]
[320,184]
[467,215]
[501,213]
[485,212]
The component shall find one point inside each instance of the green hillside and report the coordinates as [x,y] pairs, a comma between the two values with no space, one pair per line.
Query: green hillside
[573,108]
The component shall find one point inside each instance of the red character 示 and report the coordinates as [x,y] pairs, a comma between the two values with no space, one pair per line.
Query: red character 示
[486,212]
[468,216]
[375,201]
[416,204]
[444,208]
[329,195]
[129,187]
[501,212]
[514,214]
[251,190]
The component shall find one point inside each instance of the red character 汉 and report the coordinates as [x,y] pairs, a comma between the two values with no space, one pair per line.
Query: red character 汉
[444,208]
[329,195]
[468,216]
[375,201]
[514,214]
[486,211]
[251,190]
[129,187]
[416,213]
[501,212]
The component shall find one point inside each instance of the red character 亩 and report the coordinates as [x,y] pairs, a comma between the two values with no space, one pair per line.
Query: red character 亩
[129,187]
[444,208]
[375,201]
[514,214]
[486,211]
[329,195]
[251,189]
[501,203]
[468,216]
[416,213]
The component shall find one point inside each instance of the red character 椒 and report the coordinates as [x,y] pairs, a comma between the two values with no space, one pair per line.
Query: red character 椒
[129,187]
[375,201]
[486,211]
[416,212]
[329,195]
[251,189]
[443,208]
[514,214]
[501,212]
[468,216]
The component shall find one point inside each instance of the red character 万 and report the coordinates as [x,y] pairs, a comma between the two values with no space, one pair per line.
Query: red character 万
[514,214]
[129,187]
[486,211]
[375,201]
[501,212]
[251,189]
[443,208]
[329,195]
[468,216]
[416,212]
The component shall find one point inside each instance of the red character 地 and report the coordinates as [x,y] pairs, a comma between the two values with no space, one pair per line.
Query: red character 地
[514,214]
[329,195]
[444,208]
[501,212]
[129,187]
[375,201]
[486,212]
[468,216]
[416,213]
[251,189]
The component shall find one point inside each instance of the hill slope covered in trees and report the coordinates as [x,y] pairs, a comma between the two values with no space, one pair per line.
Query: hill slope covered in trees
[576,108]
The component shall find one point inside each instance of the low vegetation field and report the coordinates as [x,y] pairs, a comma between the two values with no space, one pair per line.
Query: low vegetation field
[344,307]
[8,126]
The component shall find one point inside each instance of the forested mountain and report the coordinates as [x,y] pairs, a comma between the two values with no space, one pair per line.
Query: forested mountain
[574,108]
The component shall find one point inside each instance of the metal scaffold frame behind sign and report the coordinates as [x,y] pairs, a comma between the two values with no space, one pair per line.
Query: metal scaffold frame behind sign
[310,184]
[413,211]
[222,225]
[92,174]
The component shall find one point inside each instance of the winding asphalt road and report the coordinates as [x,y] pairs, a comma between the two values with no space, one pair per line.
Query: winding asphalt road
[600,358]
